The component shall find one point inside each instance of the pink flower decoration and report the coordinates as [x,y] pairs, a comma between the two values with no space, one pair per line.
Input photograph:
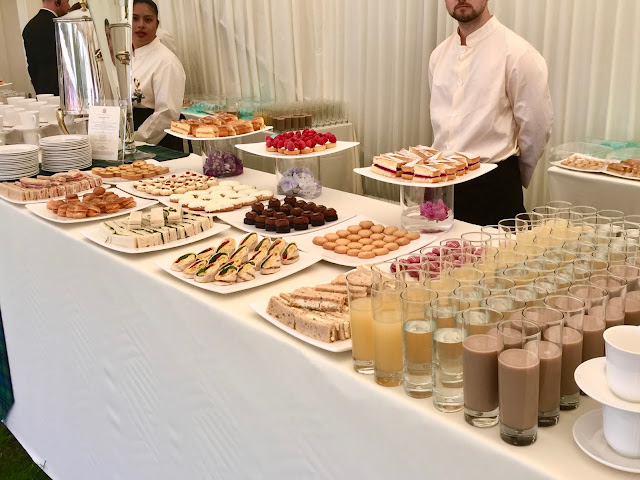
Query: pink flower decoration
[434,211]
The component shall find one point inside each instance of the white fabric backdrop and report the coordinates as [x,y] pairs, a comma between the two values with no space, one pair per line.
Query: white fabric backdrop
[374,54]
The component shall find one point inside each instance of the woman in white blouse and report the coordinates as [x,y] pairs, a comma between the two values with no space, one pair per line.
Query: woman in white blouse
[159,80]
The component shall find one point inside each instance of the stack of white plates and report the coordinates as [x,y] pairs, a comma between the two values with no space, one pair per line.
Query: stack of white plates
[17,161]
[61,153]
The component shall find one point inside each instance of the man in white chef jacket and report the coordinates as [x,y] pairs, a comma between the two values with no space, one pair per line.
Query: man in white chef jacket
[159,79]
[489,97]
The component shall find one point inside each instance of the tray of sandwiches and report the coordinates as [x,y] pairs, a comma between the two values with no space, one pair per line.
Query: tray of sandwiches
[152,230]
[425,167]
[45,188]
[164,186]
[317,315]
[216,127]
[238,263]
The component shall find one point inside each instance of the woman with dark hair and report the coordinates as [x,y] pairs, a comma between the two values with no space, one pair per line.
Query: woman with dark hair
[159,79]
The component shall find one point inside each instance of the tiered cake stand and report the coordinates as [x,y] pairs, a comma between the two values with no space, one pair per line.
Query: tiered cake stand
[427,207]
[297,175]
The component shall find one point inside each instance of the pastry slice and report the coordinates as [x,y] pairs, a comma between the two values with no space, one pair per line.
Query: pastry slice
[183,262]
[290,254]
[426,174]
[387,166]
[247,272]
[271,264]
[227,275]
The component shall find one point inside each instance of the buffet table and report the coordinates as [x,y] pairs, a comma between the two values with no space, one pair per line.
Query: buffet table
[594,189]
[121,371]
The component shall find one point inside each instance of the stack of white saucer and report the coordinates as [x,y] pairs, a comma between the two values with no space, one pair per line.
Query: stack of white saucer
[61,153]
[17,161]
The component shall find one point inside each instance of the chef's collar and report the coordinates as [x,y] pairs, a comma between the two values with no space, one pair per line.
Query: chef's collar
[147,48]
[54,13]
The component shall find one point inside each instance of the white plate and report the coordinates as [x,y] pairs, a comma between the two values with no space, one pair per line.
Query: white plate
[236,219]
[261,309]
[64,139]
[28,202]
[591,377]
[305,242]
[619,175]
[589,435]
[116,180]
[41,210]
[188,137]
[261,149]
[306,260]
[484,168]
[98,235]
[19,149]
[558,163]
[131,190]
[168,203]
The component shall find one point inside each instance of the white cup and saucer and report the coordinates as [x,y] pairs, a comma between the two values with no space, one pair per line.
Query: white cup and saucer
[612,435]
[30,127]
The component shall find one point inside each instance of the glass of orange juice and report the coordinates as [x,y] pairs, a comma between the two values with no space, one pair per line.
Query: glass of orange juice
[361,318]
[387,331]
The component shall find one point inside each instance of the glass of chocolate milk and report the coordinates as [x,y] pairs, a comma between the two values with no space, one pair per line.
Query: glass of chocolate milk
[361,319]
[632,302]
[596,300]
[551,322]
[417,338]
[447,353]
[480,350]
[519,381]
[572,309]
[509,306]
[387,331]
[617,288]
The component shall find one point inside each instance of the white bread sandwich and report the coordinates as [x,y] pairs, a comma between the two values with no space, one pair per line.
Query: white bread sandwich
[427,173]
[387,165]
[312,299]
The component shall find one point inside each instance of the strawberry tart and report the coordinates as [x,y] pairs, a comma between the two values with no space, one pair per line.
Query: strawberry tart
[300,142]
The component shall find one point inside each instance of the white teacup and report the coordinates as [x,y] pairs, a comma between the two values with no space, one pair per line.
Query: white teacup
[31,135]
[622,430]
[48,113]
[30,119]
[54,101]
[42,97]
[622,347]
[26,103]
[13,115]
[14,100]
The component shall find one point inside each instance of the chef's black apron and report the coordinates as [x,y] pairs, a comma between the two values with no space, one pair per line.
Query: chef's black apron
[491,197]
[169,141]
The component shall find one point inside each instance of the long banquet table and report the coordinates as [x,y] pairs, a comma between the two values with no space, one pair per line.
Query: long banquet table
[122,372]
[605,192]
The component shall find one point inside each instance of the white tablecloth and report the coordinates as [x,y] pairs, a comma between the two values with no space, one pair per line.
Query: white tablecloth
[595,189]
[122,372]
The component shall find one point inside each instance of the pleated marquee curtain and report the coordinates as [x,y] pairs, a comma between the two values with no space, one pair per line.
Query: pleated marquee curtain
[374,55]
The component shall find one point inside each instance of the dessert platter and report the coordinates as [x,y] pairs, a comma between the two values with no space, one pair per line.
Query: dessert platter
[227,196]
[284,216]
[97,205]
[300,144]
[216,127]
[422,166]
[629,168]
[138,170]
[44,188]
[583,163]
[317,315]
[152,230]
[236,264]
[362,241]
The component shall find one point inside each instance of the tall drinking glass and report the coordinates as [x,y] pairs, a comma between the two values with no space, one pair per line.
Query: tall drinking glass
[632,302]
[475,295]
[361,319]
[417,338]
[387,331]
[617,288]
[497,285]
[572,309]
[519,382]
[510,306]
[480,352]
[593,323]
[553,283]
[521,275]
[447,354]
[532,295]
[550,355]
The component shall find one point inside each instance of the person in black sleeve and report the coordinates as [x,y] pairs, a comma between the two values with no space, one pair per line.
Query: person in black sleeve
[39,37]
